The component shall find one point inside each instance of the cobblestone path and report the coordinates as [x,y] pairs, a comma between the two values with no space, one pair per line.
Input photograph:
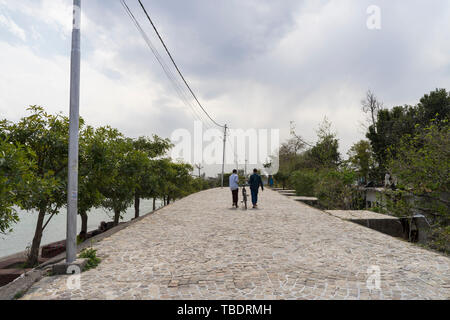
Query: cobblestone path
[199,248]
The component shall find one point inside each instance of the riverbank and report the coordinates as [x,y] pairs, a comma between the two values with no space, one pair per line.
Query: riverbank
[16,288]
[15,243]
[11,267]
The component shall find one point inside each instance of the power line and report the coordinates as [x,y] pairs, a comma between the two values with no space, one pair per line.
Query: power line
[176,66]
[232,146]
[178,88]
[169,73]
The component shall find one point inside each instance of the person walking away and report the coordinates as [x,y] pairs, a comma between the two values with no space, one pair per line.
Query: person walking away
[255,182]
[234,186]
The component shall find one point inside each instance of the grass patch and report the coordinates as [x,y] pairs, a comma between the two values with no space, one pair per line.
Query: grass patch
[19,295]
[49,273]
[79,240]
[92,260]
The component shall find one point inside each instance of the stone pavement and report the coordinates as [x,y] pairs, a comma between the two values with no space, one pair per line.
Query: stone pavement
[199,248]
[359,215]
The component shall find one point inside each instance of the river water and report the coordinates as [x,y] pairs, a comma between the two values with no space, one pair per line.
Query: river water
[23,231]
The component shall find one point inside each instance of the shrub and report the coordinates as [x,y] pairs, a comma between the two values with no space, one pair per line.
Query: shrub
[303,182]
[334,189]
[19,295]
[440,239]
[92,260]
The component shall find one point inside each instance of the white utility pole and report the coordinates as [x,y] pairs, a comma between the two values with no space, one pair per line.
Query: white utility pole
[245,170]
[72,189]
[224,145]
[199,167]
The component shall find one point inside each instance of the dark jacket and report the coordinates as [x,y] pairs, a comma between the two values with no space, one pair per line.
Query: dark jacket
[255,181]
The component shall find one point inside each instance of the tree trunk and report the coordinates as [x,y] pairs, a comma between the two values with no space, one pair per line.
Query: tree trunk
[116,217]
[154,204]
[165,202]
[33,257]
[84,225]
[168,199]
[137,201]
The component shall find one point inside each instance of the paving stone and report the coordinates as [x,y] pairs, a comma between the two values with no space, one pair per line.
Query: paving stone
[198,248]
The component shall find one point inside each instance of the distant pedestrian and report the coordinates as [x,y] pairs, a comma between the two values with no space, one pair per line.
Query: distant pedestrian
[271,181]
[255,182]
[234,186]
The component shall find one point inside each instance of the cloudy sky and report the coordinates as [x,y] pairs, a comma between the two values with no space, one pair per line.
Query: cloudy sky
[252,63]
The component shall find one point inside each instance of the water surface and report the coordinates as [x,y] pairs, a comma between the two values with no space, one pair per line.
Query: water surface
[23,231]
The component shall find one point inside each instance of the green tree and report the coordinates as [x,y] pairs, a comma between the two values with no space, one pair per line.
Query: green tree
[118,191]
[155,185]
[422,167]
[290,151]
[94,166]
[178,178]
[360,159]
[45,138]
[304,181]
[325,153]
[281,179]
[15,182]
[334,188]
[392,125]
[436,106]
[146,173]
[199,184]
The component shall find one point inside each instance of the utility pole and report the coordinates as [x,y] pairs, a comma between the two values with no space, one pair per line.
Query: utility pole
[199,167]
[224,144]
[245,170]
[72,189]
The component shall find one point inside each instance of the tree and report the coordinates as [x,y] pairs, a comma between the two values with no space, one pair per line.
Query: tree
[118,191]
[422,166]
[434,106]
[282,178]
[325,153]
[45,138]
[334,188]
[154,184]
[178,179]
[15,182]
[199,184]
[290,150]
[392,125]
[93,171]
[360,159]
[304,181]
[296,164]
[149,149]
[371,106]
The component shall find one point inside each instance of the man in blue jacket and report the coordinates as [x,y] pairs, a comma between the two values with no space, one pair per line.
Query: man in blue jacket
[255,182]
[234,186]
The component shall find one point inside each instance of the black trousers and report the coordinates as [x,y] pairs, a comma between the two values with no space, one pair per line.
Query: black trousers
[235,196]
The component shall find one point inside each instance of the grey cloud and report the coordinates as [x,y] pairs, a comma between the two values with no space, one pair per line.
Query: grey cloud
[263,63]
